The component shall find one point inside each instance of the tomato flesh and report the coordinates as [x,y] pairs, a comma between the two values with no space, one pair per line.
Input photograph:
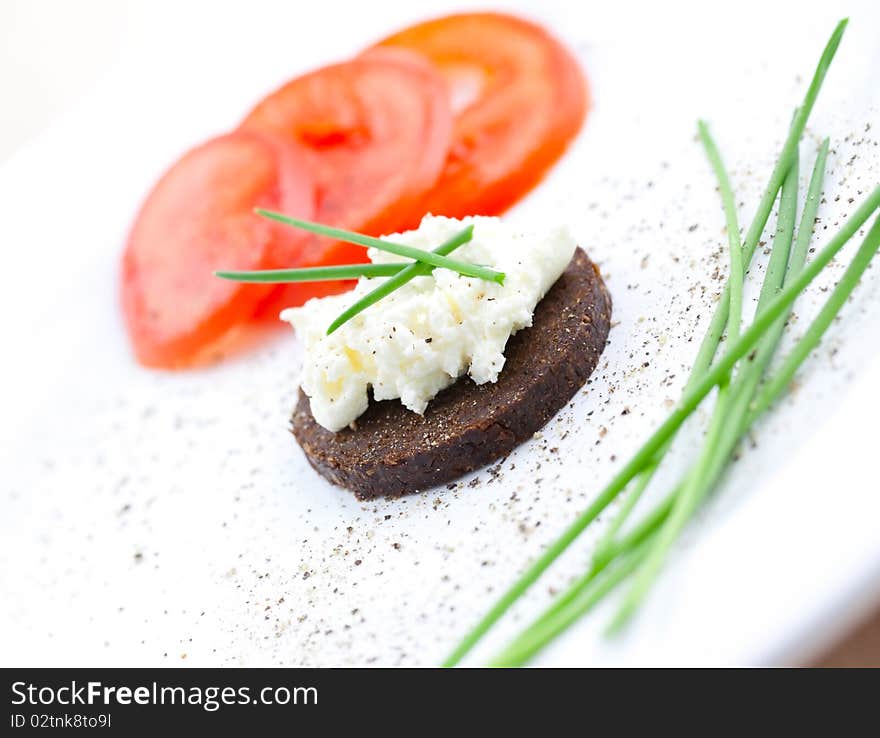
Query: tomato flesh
[519,97]
[197,219]
[375,131]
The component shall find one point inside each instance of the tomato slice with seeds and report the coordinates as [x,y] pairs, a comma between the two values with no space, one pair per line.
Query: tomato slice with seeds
[375,131]
[519,97]
[197,219]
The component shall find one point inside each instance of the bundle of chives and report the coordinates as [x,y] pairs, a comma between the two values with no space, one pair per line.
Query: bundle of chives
[641,553]
[626,556]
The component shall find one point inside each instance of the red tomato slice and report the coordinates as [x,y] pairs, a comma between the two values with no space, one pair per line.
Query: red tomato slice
[291,295]
[519,98]
[376,131]
[199,218]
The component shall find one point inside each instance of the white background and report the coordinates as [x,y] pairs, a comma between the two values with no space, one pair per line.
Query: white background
[169,519]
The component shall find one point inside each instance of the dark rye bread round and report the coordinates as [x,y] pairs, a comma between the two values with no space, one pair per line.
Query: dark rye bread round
[392,451]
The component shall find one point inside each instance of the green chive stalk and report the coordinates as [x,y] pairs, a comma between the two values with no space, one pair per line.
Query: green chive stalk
[314,274]
[399,249]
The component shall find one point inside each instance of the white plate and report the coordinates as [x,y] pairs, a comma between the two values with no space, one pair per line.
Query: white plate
[153,518]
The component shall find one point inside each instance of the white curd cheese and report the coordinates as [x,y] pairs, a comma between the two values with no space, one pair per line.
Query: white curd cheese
[423,336]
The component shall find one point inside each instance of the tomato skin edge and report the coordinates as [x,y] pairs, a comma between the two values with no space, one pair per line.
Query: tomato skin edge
[190,345]
[457,195]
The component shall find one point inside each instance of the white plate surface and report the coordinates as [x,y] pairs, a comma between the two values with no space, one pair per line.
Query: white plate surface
[151,518]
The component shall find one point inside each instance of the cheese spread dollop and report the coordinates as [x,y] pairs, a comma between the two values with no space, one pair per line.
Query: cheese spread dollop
[425,335]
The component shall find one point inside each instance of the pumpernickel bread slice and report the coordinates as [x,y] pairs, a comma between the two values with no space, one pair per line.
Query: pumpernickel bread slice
[392,451]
